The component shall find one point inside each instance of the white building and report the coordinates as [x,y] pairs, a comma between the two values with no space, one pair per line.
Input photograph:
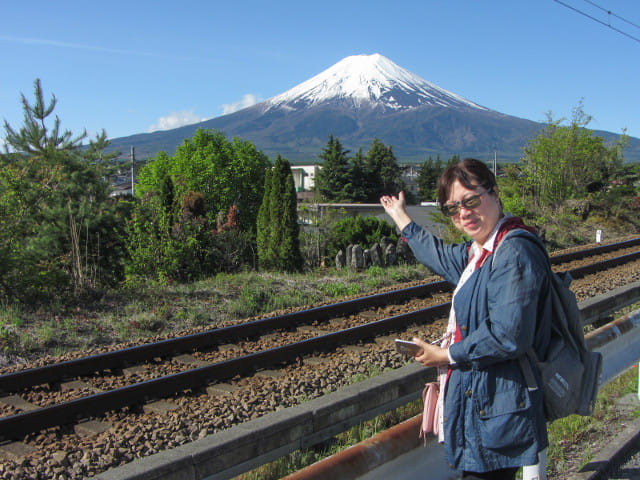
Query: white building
[303,176]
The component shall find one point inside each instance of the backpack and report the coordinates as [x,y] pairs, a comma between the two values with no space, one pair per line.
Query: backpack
[570,373]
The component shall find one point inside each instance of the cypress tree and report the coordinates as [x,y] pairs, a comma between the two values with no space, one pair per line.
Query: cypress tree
[290,258]
[275,214]
[264,223]
[278,230]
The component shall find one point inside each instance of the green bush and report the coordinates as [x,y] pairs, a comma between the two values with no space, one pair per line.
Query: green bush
[514,205]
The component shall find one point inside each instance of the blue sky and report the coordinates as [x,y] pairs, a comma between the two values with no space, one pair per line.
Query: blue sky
[130,67]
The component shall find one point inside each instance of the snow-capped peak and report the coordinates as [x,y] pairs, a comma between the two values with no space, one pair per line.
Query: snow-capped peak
[372,79]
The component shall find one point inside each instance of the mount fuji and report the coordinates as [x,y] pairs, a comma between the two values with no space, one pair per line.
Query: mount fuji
[358,99]
[362,81]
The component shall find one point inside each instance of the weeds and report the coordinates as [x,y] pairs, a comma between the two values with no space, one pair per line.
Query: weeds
[338,289]
[567,432]
[143,309]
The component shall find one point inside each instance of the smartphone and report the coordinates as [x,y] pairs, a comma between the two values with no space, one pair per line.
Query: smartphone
[407,347]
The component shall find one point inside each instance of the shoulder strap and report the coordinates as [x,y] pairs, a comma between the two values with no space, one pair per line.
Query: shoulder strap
[530,356]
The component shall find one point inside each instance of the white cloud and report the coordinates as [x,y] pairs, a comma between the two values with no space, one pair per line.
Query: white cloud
[94,48]
[247,100]
[175,120]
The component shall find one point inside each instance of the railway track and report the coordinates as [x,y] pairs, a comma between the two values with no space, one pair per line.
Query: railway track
[234,354]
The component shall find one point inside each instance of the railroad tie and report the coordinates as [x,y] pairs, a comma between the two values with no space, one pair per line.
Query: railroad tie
[189,359]
[15,451]
[270,374]
[78,385]
[160,406]
[91,428]
[221,389]
[16,401]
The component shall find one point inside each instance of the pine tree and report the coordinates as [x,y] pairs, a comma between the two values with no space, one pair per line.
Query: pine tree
[58,225]
[275,213]
[167,196]
[356,190]
[34,138]
[383,172]
[428,179]
[332,178]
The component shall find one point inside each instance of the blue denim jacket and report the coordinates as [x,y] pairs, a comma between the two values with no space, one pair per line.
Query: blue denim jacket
[492,420]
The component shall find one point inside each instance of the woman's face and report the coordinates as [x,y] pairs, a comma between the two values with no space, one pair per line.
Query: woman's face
[479,222]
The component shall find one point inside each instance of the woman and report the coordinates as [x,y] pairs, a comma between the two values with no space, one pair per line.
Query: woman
[491,423]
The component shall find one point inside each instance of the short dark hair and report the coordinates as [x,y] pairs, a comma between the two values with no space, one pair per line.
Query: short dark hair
[471,173]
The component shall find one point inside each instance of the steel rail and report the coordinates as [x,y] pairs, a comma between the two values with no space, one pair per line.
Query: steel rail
[19,425]
[55,372]
[604,265]
[590,252]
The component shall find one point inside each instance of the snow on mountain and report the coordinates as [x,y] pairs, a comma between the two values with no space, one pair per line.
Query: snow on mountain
[367,80]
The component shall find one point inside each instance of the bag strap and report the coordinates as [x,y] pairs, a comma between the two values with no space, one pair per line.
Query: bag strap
[525,365]
[529,356]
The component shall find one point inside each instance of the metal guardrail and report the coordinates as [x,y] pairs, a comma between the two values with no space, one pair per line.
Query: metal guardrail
[254,443]
[619,343]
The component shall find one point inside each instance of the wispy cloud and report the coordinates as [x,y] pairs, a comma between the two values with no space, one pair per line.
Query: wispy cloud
[247,101]
[46,42]
[175,120]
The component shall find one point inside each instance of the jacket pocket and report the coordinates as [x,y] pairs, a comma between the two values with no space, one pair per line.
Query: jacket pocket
[504,420]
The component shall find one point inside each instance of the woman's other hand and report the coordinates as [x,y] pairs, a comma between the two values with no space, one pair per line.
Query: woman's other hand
[431,355]
[396,209]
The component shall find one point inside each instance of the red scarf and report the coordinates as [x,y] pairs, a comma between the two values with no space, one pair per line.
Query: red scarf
[509,224]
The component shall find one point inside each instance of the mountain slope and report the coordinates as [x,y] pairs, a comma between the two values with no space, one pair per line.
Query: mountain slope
[358,99]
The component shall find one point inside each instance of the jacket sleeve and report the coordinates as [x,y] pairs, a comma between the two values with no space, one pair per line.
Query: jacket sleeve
[445,260]
[516,287]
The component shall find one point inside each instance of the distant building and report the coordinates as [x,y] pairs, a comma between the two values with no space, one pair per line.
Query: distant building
[303,176]
[410,177]
[121,184]
[303,179]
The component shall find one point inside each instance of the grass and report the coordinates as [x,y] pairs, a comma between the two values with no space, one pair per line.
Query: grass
[152,309]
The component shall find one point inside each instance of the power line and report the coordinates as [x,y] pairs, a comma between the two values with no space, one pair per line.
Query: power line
[609,12]
[599,21]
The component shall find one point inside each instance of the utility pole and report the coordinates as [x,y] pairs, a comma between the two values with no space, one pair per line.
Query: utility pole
[495,163]
[133,161]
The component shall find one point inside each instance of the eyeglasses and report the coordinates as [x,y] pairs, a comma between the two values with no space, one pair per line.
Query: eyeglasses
[474,201]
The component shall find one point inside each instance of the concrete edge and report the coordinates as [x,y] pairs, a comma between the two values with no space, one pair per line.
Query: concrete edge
[614,452]
[253,443]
